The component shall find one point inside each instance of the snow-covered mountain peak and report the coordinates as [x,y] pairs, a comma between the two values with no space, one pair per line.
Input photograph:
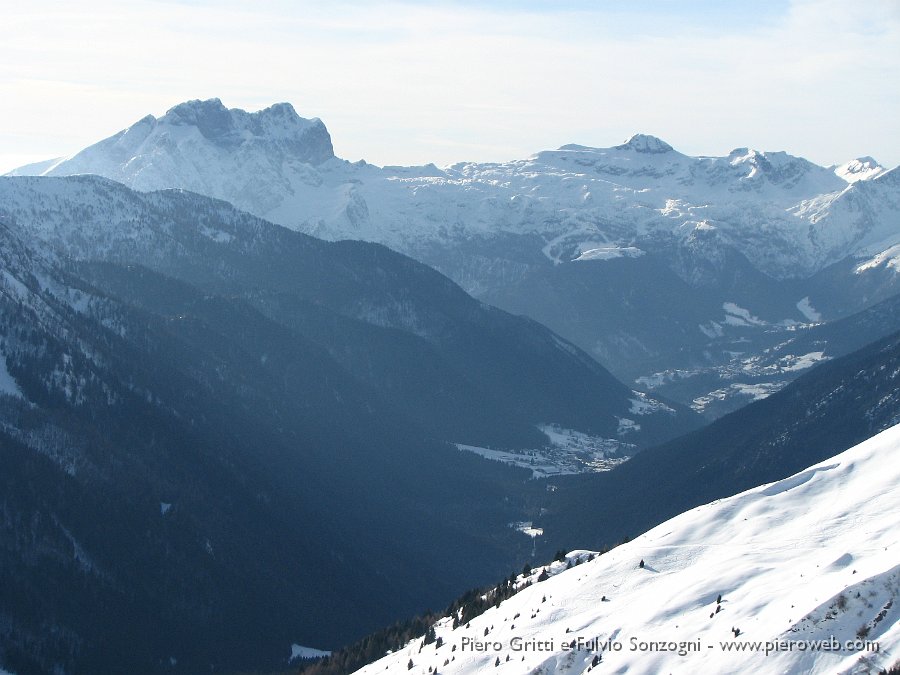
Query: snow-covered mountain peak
[783,170]
[196,112]
[146,120]
[861,168]
[740,152]
[233,127]
[641,161]
[646,144]
[577,147]
[204,147]
[202,113]
[766,160]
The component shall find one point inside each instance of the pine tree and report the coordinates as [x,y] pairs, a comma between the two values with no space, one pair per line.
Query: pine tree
[429,636]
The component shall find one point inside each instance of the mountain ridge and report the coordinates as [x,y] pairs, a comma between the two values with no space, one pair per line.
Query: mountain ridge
[742,171]
[601,231]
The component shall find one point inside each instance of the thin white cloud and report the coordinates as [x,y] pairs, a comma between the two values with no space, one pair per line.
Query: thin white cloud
[416,82]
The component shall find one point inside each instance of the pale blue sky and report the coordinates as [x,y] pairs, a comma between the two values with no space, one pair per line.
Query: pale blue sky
[446,81]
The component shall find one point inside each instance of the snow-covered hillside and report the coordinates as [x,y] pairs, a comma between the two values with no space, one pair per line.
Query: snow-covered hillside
[798,576]
[91,218]
[860,168]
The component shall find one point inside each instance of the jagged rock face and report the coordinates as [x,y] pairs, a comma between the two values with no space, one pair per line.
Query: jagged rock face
[204,147]
[861,168]
[210,117]
[277,129]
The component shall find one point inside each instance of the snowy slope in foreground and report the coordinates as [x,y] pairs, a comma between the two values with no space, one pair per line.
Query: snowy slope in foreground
[803,559]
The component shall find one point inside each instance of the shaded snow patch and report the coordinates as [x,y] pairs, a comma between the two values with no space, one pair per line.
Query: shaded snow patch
[299,652]
[807,310]
[610,253]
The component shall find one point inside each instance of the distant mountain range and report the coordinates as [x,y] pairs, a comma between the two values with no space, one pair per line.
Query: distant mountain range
[786,215]
[669,269]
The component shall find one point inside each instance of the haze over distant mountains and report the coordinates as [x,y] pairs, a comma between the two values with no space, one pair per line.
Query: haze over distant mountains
[676,272]
[280,166]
